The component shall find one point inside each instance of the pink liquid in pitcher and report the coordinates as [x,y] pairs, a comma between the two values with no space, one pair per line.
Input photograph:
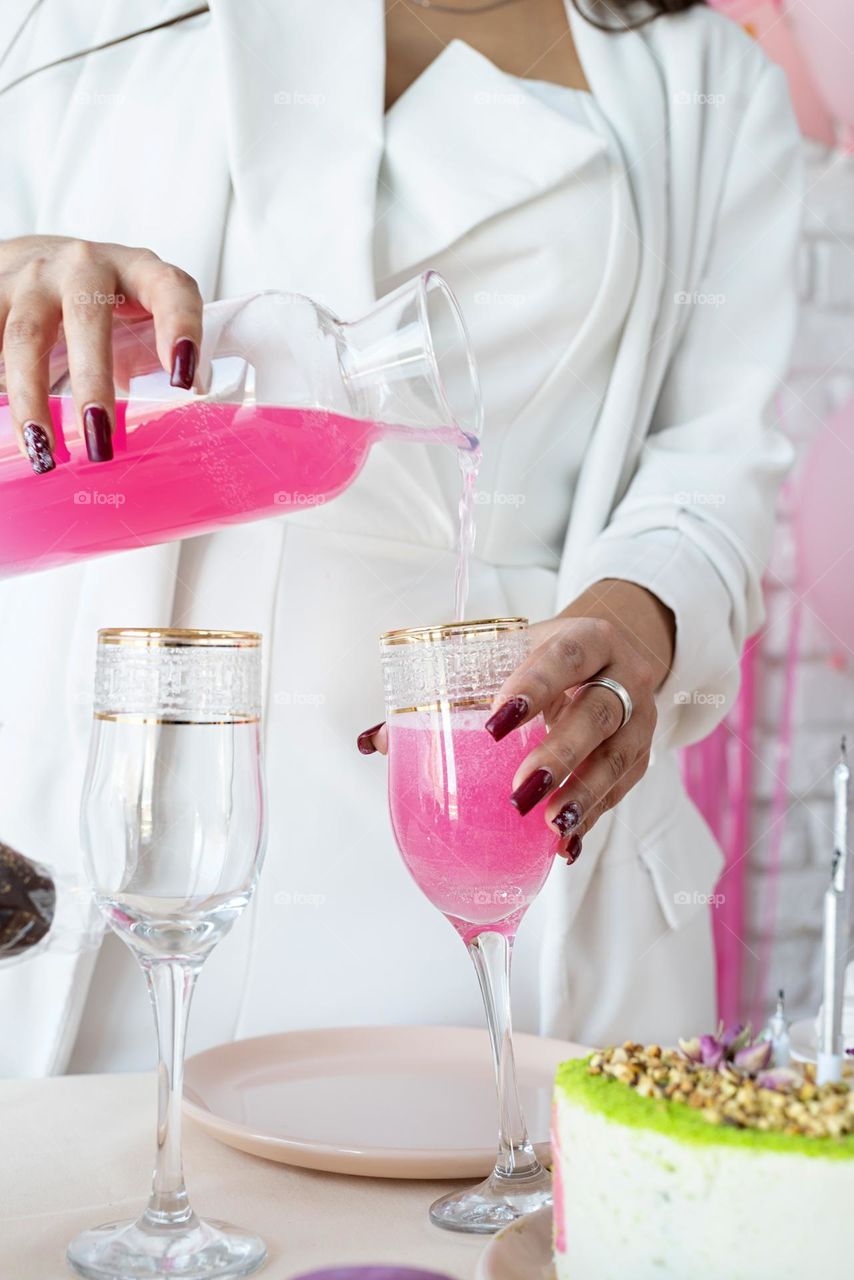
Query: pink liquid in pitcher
[179,471]
[465,845]
[184,470]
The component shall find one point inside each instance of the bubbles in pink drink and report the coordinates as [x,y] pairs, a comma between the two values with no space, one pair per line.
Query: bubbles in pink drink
[465,845]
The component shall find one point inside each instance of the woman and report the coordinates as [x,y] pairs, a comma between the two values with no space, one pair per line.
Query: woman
[618,212]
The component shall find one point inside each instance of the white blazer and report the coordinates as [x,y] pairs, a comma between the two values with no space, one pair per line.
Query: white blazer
[684,440]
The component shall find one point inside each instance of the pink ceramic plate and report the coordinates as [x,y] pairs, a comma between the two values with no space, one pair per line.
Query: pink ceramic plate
[522,1251]
[389,1102]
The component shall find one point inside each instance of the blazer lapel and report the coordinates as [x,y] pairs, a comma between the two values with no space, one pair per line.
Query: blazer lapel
[465,142]
[621,72]
[61,29]
[304,111]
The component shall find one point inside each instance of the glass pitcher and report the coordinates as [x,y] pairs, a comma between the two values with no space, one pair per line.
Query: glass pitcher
[287,401]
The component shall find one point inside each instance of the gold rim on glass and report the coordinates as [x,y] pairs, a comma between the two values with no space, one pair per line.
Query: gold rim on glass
[179,637]
[130,717]
[458,704]
[444,630]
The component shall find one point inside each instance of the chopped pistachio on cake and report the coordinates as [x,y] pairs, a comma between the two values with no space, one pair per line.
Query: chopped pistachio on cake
[731,1083]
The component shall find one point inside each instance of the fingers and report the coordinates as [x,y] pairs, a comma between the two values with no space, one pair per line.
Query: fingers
[577,650]
[593,715]
[572,847]
[606,776]
[46,279]
[87,319]
[173,299]
[373,739]
[29,331]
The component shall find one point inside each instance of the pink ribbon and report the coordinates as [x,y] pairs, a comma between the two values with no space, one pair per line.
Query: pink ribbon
[719,774]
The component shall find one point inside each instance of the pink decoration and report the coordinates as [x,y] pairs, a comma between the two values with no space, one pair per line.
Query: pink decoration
[814,46]
[823,515]
[762,19]
[779,806]
[739,10]
[718,774]
[718,771]
[729,922]
[824,30]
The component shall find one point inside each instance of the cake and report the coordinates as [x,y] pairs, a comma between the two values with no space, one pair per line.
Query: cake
[702,1161]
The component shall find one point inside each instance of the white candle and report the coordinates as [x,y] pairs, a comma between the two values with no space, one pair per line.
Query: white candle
[830,1037]
[778,1029]
[841,775]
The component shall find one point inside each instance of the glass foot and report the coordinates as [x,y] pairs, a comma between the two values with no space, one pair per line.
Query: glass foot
[493,1204]
[193,1250]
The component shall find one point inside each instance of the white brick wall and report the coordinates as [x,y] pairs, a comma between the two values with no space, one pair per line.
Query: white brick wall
[821,380]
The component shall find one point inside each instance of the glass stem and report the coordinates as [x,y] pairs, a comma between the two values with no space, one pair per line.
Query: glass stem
[170,985]
[491,952]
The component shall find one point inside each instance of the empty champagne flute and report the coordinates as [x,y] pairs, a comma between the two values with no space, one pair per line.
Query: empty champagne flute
[173,832]
[470,852]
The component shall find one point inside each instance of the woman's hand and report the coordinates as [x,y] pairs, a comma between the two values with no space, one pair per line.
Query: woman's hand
[589,760]
[48,281]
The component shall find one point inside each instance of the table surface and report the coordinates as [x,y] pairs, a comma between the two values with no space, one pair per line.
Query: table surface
[78,1151]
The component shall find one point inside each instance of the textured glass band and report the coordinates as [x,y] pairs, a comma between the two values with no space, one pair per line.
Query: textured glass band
[464,664]
[178,677]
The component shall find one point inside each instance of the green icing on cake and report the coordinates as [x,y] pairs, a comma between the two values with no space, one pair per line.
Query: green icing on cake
[620,1103]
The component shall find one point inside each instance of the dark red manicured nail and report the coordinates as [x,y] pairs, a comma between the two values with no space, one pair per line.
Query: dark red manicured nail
[532,790]
[96,429]
[183,364]
[365,740]
[507,717]
[38,450]
[573,850]
[568,818]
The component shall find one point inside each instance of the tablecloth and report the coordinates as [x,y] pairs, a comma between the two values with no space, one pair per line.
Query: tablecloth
[78,1151]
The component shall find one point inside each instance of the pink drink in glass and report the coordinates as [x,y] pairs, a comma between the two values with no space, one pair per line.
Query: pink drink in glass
[465,845]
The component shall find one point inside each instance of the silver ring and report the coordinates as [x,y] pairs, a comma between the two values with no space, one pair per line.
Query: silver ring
[615,687]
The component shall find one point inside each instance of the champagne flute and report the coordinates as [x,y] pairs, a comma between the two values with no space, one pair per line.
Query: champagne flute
[470,853]
[173,831]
